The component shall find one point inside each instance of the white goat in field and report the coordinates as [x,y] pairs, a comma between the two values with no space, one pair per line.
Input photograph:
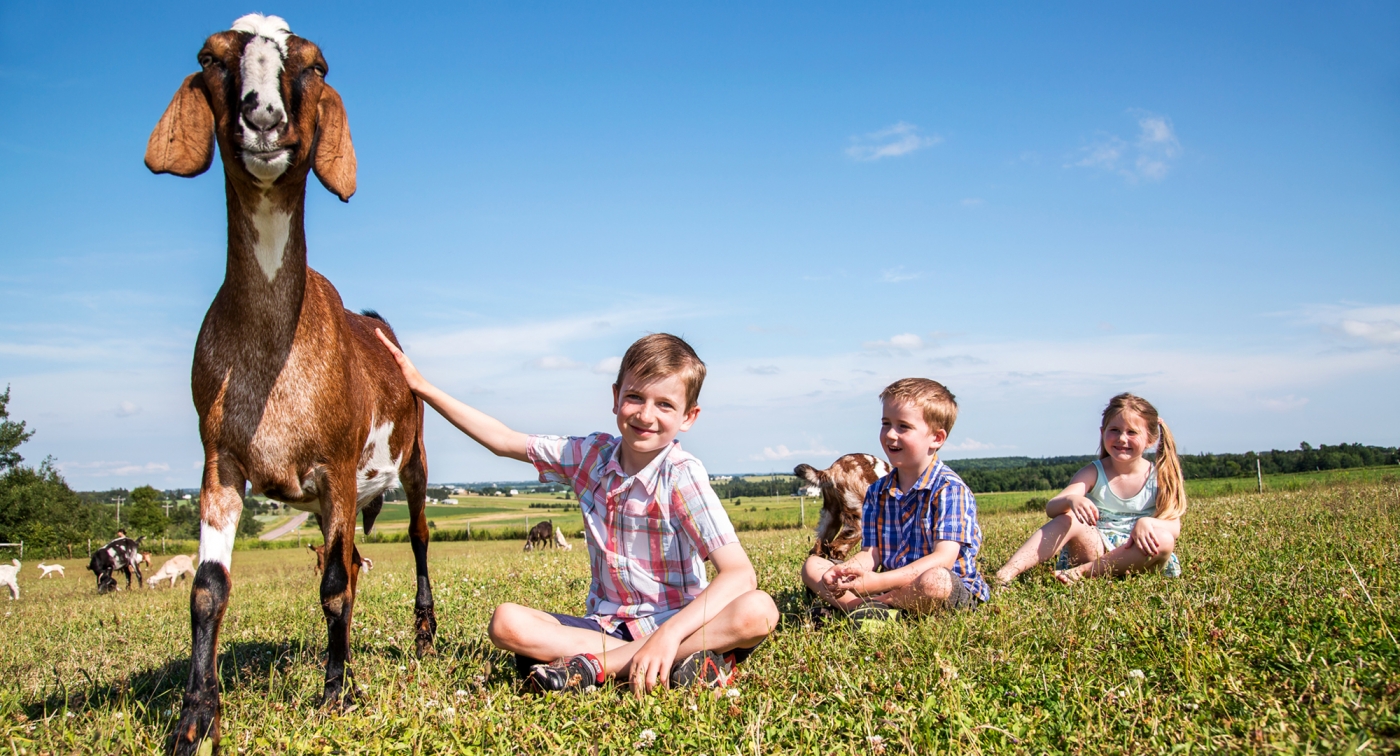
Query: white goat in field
[174,568]
[49,569]
[9,575]
[561,541]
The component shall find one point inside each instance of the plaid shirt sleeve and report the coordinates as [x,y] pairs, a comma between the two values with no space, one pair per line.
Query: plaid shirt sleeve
[870,516]
[698,511]
[952,509]
[563,460]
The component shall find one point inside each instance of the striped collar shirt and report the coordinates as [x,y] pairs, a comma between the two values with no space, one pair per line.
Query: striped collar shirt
[648,534]
[904,525]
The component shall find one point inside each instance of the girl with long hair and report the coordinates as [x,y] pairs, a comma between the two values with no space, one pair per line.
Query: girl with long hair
[1119,515]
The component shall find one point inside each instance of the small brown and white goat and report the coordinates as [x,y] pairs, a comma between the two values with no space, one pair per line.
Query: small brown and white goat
[561,541]
[9,577]
[175,567]
[295,394]
[47,570]
[842,487]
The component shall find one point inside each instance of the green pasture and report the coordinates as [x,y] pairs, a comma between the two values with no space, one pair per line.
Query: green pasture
[1280,637]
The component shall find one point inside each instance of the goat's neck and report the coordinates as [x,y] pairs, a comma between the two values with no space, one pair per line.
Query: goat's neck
[266,274]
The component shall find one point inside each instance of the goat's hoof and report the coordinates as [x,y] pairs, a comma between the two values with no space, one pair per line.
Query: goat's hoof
[424,647]
[339,697]
[197,734]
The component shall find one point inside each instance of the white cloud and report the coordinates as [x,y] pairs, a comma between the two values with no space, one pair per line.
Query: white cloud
[123,468]
[900,139]
[763,369]
[607,366]
[1149,158]
[972,445]
[127,409]
[903,341]
[1375,326]
[554,362]
[1283,403]
[898,274]
[775,453]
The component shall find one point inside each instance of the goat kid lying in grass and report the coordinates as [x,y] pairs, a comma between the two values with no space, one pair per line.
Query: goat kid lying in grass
[297,400]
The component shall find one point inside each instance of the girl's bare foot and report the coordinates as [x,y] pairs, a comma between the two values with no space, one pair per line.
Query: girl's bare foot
[1074,574]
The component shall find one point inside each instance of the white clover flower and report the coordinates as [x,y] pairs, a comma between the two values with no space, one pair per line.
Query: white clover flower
[1136,674]
[875,739]
[449,711]
[648,736]
[402,668]
[118,715]
[461,693]
[732,692]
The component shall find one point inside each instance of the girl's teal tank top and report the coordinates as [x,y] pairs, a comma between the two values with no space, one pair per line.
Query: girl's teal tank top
[1119,515]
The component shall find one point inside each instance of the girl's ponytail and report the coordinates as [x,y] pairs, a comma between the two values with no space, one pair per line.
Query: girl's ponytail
[1171,488]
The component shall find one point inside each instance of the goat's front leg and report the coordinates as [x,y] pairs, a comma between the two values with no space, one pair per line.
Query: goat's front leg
[338,582]
[414,477]
[220,504]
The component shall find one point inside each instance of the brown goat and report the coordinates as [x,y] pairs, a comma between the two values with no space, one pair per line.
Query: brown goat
[842,488]
[295,394]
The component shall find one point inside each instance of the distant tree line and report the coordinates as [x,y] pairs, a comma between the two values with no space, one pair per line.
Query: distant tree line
[1050,473]
[784,485]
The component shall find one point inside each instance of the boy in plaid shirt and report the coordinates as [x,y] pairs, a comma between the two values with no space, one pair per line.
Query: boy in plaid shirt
[919,522]
[650,521]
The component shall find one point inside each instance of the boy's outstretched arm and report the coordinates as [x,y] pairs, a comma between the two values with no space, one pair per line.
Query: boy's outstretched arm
[734,577]
[484,429]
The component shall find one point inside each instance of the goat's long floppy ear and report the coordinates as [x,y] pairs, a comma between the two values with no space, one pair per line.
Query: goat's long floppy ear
[183,140]
[335,155]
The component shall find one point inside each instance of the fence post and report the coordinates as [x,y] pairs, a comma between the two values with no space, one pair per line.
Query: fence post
[802,511]
[1259,473]
[21,551]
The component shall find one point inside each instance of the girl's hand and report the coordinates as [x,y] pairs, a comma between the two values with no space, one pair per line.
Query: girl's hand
[1146,536]
[1084,510]
[415,379]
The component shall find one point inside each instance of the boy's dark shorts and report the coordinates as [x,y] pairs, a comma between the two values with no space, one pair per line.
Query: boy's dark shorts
[523,663]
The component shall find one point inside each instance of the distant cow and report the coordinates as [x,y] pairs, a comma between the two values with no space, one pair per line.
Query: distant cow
[842,488]
[174,568]
[542,534]
[119,554]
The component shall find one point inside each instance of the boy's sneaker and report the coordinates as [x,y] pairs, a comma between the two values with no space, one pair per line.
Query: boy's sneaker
[704,668]
[575,674]
[821,613]
[873,616]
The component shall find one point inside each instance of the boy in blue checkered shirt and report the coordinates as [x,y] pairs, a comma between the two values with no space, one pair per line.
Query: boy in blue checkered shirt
[919,522]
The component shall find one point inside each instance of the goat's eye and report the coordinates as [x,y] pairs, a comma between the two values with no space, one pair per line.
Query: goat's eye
[207,59]
[319,70]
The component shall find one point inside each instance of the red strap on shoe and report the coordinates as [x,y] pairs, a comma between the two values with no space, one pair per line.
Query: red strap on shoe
[597,667]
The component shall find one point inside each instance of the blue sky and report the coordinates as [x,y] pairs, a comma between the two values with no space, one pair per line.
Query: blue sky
[1038,206]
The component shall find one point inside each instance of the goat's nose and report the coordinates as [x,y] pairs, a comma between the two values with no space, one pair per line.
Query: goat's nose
[263,117]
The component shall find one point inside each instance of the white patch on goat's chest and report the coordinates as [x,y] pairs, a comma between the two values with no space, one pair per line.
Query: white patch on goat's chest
[273,228]
[378,470]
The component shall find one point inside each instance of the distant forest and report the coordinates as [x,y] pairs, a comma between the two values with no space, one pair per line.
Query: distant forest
[991,474]
[1029,474]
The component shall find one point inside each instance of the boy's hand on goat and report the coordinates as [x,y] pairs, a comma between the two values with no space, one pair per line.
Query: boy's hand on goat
[846,576]
[416,381]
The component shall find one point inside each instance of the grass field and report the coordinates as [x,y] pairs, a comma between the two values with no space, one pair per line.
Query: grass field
[1280,637]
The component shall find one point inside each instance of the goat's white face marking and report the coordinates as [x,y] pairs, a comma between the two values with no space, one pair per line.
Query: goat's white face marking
[216,544]
[262,114]
[273,228]
[378,471]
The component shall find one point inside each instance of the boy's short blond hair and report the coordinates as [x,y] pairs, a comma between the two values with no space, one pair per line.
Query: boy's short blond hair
[938,404]
[661,355]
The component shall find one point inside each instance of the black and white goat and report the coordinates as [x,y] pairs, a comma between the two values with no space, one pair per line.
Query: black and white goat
[297,398]
[118,554]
